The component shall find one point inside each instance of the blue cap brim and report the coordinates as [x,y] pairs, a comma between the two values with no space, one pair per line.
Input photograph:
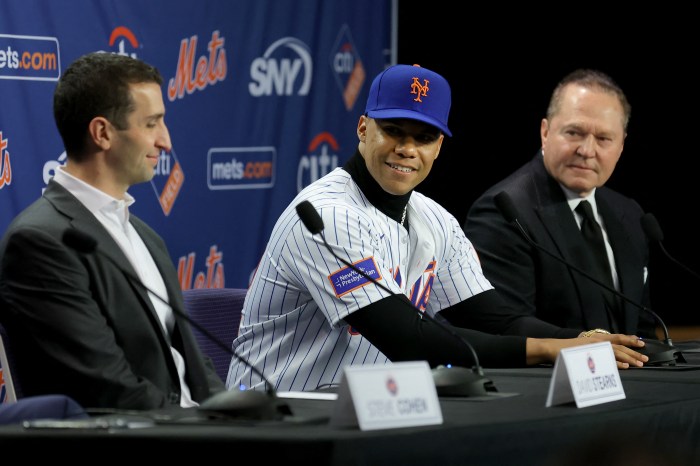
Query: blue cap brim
[409,114]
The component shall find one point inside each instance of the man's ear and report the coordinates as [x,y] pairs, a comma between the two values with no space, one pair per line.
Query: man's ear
[100,131]
[544,132]
[362,128]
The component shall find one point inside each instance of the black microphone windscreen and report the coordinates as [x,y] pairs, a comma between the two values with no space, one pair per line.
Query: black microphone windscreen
[308,215]
[506,206]
[81,242]
[651,227]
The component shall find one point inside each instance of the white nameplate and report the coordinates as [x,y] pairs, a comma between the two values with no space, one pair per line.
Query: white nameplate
[586,374]
[401,394]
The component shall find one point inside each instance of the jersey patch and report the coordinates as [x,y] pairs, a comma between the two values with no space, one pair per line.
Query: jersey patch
[346,279]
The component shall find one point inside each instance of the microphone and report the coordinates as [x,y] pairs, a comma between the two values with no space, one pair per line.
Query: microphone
[663,353]
[653,231]
[247,404]
[314,223]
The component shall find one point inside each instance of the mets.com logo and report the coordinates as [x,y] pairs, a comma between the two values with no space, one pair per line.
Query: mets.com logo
[33,58]
[241,167]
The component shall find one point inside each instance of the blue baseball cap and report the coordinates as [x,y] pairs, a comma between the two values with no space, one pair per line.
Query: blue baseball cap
[405,91]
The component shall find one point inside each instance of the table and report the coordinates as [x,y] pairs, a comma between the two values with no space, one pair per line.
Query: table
[659,418]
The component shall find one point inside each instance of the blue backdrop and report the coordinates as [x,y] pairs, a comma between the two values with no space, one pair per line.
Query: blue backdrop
[262,97]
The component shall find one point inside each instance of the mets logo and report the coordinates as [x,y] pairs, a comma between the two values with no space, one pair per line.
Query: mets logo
[195,74]
[591,364]
[418,90]
[5,168]
[391,386]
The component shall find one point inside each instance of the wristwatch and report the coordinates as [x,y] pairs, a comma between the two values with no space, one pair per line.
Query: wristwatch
[590,333]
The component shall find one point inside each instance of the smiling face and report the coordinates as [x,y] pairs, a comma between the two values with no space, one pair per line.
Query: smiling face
[583,140]
[134,151]
[399,153]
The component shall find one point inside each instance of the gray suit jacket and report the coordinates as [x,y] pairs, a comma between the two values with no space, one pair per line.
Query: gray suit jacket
[530,279]
[79,325]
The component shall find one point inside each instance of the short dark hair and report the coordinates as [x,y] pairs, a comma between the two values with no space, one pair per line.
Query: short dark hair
[591,79]
[97,84]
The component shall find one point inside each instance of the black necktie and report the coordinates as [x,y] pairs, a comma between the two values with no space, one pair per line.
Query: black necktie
[593,236]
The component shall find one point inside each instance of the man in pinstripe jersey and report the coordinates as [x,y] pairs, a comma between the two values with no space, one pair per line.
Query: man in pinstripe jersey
[307,315]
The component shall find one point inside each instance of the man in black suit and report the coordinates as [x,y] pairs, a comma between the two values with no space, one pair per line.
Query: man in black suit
[80,326]
[582,140]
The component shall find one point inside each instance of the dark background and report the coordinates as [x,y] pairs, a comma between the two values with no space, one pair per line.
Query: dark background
[502,75]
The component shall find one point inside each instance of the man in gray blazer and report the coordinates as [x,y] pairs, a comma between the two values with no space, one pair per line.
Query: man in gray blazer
[80,325]
[582,140]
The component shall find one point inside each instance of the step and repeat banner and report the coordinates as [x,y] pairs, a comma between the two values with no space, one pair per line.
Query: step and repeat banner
[262,97]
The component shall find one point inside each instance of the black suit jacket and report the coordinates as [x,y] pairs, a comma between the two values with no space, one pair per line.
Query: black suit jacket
[530,279]
[79,326]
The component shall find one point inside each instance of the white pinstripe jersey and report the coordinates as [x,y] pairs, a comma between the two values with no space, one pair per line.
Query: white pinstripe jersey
[292,326]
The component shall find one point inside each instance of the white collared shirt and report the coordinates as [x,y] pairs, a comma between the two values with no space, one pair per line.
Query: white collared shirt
[574,200]
[113,214]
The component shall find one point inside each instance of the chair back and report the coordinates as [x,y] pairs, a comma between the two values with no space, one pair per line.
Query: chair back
[10,390]
[42,407]
[217,310]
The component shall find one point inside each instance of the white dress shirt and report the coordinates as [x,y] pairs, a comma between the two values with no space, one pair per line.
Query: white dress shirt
[574,200]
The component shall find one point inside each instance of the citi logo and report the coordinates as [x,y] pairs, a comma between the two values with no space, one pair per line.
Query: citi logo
[418,90]
[285,66]
[167,180]
[321,160]
[120,35]
[347,68]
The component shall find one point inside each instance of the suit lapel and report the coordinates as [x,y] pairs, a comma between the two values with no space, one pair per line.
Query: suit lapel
[182,338]
[83,220]
[172,286]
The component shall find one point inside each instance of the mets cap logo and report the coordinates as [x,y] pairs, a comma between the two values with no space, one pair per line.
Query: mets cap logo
[418,89]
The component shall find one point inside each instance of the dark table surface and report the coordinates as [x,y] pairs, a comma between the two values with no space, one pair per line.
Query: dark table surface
[658,420]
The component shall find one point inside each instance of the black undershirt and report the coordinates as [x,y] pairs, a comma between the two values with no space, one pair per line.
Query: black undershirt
[390,205]
[403,333]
